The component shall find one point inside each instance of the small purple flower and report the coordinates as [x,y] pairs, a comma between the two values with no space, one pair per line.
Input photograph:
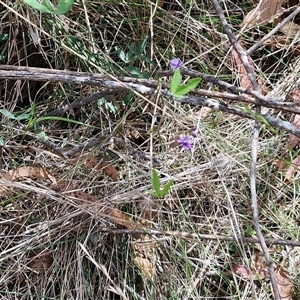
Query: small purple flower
[175,63]
[185,142]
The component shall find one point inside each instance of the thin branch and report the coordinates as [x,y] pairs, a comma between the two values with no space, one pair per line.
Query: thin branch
[273,31]
[221,106]
[143,85]
[147,86]
[81,102]
[196,236]
[238,48]
[261,100]
[244,98]
[254,145]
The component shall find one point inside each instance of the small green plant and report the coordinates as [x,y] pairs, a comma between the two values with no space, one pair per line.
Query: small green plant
[135,53]
[46,6]
[110,106]
[157,192]
[11,116]
[176,88]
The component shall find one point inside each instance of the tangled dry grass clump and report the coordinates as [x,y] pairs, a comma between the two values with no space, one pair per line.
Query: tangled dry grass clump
[77,220]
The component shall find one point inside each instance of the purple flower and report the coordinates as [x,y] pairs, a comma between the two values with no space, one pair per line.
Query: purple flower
[185,142]
[175,63]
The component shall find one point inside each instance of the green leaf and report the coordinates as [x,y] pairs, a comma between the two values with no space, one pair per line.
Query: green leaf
[132,49]
[23,117]
[144,58]
[48,5]
[152,193]
[186,88]
[7,114]
[111,107]
[38,6]
[166,189]
[143,45]
[175,82]
[193,83]
[122,55]
[63,6]
[155,182]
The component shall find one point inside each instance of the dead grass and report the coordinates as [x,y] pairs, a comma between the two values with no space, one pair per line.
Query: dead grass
[52,247]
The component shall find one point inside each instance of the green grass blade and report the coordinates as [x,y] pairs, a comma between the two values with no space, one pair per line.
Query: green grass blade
[54,118]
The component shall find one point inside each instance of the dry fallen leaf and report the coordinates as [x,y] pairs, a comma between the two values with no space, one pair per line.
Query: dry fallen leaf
[260,271]
[290,29]
[27,171]
[285,285]
[266,12]
[145,256]
[294,140]
[259,264]
[120,218]
[109,170]
[202,113]
[243,271]
[279,164]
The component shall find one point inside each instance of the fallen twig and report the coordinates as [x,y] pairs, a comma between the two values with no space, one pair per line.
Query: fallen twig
[273,31]
[196,236]
[148,87]
[254,145]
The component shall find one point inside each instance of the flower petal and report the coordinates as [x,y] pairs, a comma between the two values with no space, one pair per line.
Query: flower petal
[175,63]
